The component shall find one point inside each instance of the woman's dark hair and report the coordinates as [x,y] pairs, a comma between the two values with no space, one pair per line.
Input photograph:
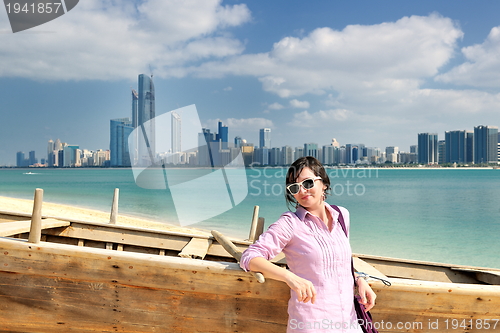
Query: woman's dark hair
[295,170]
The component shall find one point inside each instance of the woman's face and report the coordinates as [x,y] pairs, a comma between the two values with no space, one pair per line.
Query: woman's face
[313,197]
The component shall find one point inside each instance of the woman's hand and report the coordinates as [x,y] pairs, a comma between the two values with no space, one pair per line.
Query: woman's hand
[366,293]
[304,288]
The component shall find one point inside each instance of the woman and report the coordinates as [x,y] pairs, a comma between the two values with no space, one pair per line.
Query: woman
[317,252]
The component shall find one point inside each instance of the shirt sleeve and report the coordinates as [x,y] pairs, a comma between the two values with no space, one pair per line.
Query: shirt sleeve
[271,242]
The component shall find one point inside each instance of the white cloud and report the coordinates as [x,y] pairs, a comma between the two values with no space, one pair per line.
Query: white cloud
[275,106]
[113,40]
[482,68]
[321,118]
[299,104]
[381,58]
[248,123]
[228,89]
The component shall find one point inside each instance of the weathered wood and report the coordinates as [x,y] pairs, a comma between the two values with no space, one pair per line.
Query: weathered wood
[252,237]
[137,269]
[416,271]
[486,276]
[36,217]
[233,251]
[114,207]
[102,290]
[197,248]
[362,266]
[19,227]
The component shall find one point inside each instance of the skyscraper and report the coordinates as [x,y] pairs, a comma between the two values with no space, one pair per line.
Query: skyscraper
[119,132]
[20,160]
[311,149]
[485,144]
[457,147]
[427,148]
[176,124]
[32,159]
[222,135]
[146,149]
[265,138]
[135,114]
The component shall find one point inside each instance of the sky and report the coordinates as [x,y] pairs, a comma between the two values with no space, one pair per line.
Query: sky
[361,71]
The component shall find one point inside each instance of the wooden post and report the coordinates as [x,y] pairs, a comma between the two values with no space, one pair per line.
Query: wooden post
[252,237]
[114,207]
[36,217]
[233,250]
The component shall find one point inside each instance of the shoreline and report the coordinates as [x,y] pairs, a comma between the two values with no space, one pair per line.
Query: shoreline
[25,206]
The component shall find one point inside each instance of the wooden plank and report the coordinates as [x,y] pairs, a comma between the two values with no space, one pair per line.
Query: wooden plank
[197,248]
[362,266]
[19,227]
[142,270]
[486,276]
[111,234]
[44,304]
[420,271]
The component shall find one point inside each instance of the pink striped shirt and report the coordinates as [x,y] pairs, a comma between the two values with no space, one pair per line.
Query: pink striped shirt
[320,256]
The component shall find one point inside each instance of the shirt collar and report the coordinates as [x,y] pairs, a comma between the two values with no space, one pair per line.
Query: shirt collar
[301,212]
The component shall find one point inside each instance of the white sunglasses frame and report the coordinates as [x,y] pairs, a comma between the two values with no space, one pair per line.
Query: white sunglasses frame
[300,184]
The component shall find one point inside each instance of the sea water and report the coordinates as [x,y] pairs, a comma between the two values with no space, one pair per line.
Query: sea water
[441,215]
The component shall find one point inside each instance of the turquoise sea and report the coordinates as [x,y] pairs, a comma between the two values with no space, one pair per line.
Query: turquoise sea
[441,215]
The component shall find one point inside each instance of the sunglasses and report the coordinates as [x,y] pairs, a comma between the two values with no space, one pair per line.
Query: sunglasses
[306,183]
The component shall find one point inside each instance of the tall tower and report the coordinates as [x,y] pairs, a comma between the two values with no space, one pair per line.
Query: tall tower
[427,148]
[135,101]
[176,132]
[119,132]
[265,138]
[485,144]
[145,119]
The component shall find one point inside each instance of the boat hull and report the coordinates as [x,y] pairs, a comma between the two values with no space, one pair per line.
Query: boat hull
[53,287]
[59,288]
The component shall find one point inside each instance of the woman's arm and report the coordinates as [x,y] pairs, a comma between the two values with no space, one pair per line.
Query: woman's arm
[365,291]
[304,288]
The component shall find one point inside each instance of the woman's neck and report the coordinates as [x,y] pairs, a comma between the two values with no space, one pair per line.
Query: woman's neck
[319,211]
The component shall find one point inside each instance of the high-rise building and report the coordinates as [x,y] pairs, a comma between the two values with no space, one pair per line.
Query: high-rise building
[327,155]
[50,149]
[299,152]
[265,138]
[311,149]
[119,132]
[32,159]
[286,155]
[427,148]
[222,135]
[20,160]
[261,156]
[458,147]
[485,144]
[441,151]
[135,106]
[274,156]
[238,141]
[176,124]
[71,157]
[391,154]
[146,149]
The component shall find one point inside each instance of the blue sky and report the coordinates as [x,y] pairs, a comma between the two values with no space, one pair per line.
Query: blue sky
[371,72]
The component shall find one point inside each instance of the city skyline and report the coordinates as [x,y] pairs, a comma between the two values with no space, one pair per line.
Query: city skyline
[359,72]
[466,147]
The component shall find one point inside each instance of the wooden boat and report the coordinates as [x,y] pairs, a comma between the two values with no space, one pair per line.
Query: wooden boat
[95,277]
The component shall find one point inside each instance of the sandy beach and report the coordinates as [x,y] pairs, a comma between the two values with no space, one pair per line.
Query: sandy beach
[82,214]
